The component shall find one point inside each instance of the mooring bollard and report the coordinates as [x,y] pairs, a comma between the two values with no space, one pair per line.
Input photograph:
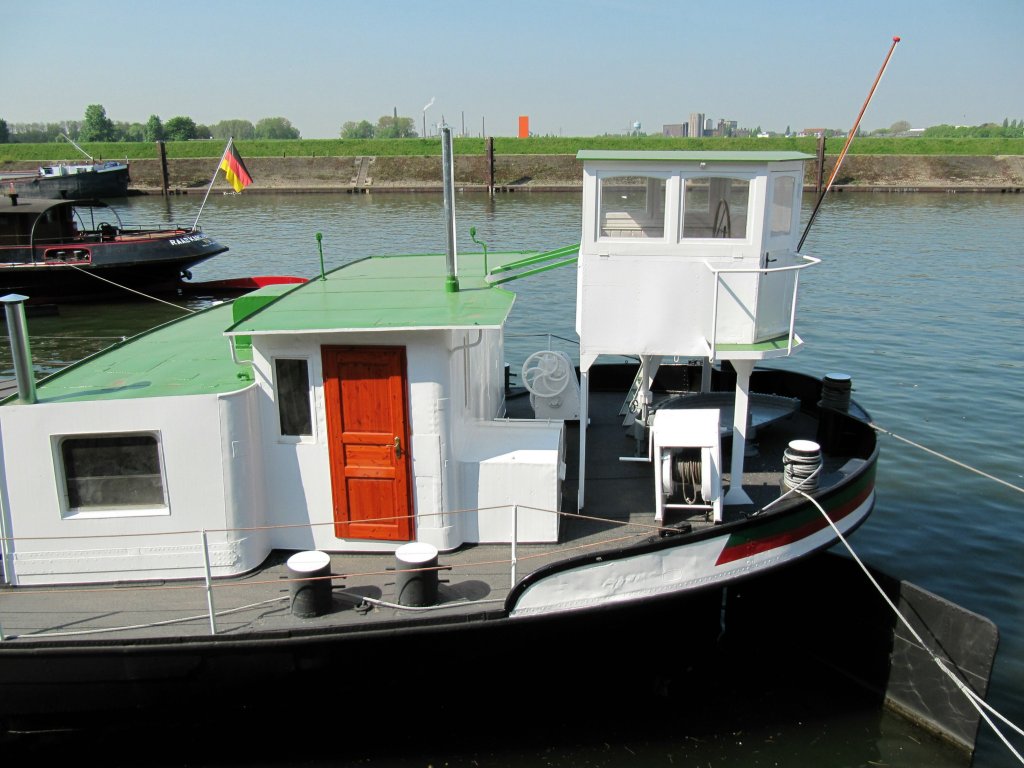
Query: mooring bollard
[416,588]
[309,598]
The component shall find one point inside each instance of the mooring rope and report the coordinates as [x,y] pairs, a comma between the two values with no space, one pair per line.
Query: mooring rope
[132,290]
[976,701]
[944,457]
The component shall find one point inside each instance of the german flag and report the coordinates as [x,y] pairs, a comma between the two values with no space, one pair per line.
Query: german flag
[234,169]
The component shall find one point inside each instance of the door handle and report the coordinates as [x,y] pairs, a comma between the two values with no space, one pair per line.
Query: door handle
[398,447]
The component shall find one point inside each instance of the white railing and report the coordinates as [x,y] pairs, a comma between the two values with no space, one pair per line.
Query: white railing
[809,261]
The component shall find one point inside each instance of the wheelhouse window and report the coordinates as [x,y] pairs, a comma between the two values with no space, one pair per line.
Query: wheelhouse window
[121,472]
[293,406]
[631,207]
[783,189]
[715,207]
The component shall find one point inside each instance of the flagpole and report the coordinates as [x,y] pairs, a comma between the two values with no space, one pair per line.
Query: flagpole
[207,195]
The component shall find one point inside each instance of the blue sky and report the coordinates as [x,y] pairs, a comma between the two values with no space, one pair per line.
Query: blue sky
[576,67]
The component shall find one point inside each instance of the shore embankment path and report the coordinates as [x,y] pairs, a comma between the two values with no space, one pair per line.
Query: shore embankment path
[526,173]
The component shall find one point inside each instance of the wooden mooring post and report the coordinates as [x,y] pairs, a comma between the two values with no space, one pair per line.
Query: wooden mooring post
[490,166]
[165,184]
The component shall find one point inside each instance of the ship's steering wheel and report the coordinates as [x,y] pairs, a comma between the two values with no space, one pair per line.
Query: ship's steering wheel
[722,226]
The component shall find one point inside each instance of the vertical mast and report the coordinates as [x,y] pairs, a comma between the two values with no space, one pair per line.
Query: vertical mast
[451,282]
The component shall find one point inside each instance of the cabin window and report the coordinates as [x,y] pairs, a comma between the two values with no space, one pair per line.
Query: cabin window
[293,406]
[632,207]
[715,207]
[112,473]
[781,214]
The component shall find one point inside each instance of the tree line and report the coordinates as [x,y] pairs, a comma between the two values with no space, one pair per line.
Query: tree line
[96,126]
[387,127]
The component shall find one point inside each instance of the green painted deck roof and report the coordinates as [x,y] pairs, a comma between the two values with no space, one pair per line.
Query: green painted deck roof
[684,156]
[387,293]
[185,357]
[191,356]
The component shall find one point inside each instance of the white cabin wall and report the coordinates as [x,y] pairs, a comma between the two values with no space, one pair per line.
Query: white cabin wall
[190,437]
[454,400]
[297,481]
[243,469]
[661,288]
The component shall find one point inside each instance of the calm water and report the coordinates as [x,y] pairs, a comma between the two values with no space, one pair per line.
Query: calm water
[917,299]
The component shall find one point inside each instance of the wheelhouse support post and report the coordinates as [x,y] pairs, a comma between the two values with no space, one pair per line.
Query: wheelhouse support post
[651,364]
[736,495]
[584,421]
[705,375]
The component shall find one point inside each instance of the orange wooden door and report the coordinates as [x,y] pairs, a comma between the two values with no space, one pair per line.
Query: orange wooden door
[364,391]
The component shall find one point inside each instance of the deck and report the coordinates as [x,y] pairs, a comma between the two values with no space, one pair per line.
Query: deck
[476,580]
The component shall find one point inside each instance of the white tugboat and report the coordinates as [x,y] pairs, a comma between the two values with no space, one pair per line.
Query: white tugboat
[361,421]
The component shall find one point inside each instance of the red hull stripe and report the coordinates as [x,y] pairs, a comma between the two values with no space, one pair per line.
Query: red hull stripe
[800,525]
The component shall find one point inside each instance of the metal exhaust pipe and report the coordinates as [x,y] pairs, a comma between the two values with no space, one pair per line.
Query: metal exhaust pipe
[17,329]
[451,281]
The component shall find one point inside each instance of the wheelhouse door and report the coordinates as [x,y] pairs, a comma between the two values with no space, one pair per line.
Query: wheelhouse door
[775,291]
[367,429]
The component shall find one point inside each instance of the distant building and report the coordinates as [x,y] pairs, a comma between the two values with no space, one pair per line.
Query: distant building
[696,124]
[675,130]
[818,132]
[726,128]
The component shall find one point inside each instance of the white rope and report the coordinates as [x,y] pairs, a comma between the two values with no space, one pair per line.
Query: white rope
[944,457]
[132,290]
[979,704]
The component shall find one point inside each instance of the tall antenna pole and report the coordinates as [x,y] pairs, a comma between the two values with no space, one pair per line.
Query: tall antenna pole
[846,146]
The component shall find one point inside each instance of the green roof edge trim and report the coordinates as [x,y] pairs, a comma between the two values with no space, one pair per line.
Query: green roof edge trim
[717,156]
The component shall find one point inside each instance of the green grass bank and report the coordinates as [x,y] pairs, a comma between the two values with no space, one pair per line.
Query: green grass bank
[329,165]
[62,151]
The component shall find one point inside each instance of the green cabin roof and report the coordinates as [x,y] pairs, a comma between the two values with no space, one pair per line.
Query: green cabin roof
[691,156]
[189,356]
[192,356]
[387,293]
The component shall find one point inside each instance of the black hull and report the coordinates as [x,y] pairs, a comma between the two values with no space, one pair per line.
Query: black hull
[101,184]
[144,265]
[692,649]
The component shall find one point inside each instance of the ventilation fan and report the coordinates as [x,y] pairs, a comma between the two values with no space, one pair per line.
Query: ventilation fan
[550,378]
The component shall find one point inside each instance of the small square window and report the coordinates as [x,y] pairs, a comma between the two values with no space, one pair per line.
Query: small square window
[632,206]
[296,417]
[112,472]
[715,207]
[783,200]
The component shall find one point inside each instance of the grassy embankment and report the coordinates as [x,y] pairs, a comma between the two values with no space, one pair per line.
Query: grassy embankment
[25,153]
